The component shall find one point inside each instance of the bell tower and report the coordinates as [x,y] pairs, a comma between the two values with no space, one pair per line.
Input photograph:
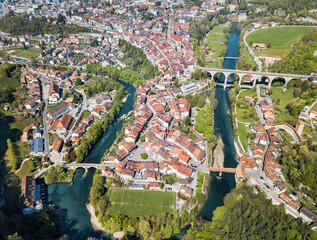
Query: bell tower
[170,29]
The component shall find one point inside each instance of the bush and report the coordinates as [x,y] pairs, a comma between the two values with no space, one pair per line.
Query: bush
[144,155]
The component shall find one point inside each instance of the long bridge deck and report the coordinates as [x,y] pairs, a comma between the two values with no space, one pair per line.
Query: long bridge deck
[222,170]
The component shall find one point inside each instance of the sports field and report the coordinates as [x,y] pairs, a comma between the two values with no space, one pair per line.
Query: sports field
[281,38]
[140,203]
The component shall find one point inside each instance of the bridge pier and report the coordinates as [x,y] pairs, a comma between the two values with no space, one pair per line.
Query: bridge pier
[226,80]
[270,83]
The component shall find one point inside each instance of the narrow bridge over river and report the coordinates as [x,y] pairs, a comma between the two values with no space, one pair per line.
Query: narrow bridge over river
[257,75]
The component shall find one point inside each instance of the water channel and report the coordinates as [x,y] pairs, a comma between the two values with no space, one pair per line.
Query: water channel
[72,198]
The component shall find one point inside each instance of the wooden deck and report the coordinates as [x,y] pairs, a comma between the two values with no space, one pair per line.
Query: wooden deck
[222,170]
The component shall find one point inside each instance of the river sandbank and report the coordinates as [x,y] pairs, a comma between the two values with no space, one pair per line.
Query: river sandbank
[218,155]
[93,218]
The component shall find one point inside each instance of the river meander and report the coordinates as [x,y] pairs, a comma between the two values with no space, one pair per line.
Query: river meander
[72,198]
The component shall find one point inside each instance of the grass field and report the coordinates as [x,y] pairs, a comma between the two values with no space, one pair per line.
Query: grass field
[6,79]
[29,53]
[52,107]
[281,38]
[140,203]
[26,170]
[247,92]
[243,135]
[285,98]
[215,40]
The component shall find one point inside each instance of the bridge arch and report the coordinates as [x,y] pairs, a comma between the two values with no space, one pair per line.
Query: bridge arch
[232,78]
[263,80]
[293,82]
[278,82]
[247,80]
[219,77]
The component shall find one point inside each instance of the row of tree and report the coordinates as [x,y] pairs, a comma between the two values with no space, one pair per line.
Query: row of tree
[14,160]
[204,123]
[95,132]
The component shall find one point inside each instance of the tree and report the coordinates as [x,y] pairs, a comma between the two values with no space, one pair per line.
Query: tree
[176,225]
[144,229]
[269,44]
[66,158]
[130,231]
[184,217]
[78,82]
[142,138]
[187,121]
[176,82]
[168,231]
[144,155]
[75,98]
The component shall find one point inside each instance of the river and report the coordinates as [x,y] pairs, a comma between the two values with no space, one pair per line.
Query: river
[220,186]
[71,198]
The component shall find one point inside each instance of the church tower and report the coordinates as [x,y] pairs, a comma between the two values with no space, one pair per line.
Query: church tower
[170,29]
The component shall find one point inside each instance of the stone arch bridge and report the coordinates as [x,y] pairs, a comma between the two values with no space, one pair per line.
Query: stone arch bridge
[257,75]
[85,166]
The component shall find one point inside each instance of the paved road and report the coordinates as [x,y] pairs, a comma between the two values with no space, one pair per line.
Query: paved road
[83,108]
[255,58]
[46,136]
[257,106]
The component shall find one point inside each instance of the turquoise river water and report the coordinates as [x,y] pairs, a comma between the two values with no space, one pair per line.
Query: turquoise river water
[71,198]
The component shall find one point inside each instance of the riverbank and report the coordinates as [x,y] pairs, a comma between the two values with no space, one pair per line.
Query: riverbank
[93,218]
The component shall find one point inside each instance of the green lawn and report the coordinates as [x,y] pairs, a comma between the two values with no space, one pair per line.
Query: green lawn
[19,122]
[86,114]
[281,38]
[215,40]
[140,203]
[6,79]
[25,170]
[243,135]
[29,53]
[247,92]
[285,98]
[286,137]
[52,107]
